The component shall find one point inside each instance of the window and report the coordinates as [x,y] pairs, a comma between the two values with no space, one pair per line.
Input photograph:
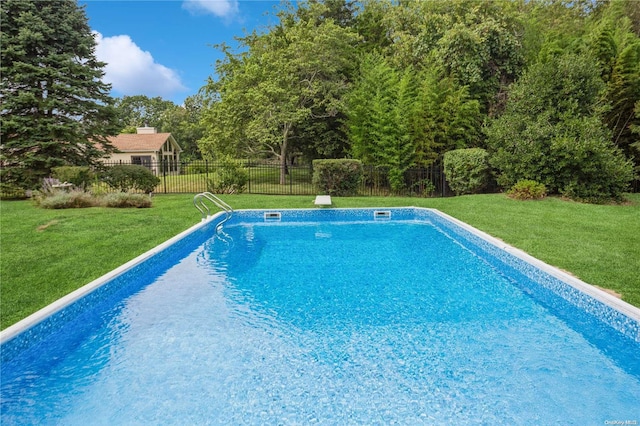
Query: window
[142,160]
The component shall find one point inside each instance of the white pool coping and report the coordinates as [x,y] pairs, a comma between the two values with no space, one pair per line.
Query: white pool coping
[621,306]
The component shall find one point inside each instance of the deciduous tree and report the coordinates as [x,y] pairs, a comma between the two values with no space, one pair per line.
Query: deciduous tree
[140,110]
[268,93]
[183,122]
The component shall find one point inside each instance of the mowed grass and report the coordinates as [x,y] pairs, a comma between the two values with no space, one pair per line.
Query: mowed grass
[46,254]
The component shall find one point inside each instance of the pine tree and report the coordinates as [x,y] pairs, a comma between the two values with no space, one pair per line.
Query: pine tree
[55,108]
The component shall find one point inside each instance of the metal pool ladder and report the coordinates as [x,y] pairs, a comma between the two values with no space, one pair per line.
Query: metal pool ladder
[203,208]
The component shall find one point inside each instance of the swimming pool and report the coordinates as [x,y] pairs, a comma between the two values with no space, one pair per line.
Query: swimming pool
[331,316]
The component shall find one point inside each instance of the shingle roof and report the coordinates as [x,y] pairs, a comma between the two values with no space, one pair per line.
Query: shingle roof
[135,142]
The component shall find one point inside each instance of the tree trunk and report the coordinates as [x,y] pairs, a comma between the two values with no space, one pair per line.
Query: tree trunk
[283,154]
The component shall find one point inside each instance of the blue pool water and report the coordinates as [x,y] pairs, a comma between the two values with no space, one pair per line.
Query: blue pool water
[342,321]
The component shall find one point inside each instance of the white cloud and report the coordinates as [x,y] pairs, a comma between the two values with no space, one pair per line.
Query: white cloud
[132,71]
[220,8]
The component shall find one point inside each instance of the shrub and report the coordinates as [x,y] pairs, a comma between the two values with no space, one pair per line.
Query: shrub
[47,187]
[424,187]
[229,177]
[467,170]
[78,175]
[131,177]
[73,199]
[125,199]
[527,190]
[591,168]
[10,191]
[340,177]
[551,131]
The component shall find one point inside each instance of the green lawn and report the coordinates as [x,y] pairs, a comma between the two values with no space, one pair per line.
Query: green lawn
[46,254]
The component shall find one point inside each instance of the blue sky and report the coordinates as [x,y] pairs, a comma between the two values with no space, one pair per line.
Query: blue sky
[165,48]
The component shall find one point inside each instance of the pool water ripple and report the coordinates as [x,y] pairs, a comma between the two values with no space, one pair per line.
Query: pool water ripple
[329,323]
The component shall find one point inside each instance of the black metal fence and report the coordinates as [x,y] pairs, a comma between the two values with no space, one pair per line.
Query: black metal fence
[265,178]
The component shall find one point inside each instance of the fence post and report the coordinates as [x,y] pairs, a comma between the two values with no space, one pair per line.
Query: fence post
[206,173]
[248,176]
[164,175]
[442,178]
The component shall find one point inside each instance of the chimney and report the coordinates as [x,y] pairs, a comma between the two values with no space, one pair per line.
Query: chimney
[146,130]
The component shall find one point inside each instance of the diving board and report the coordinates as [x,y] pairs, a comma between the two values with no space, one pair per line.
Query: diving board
[322,200]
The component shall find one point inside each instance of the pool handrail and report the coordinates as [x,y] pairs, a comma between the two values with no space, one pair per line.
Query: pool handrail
[205,211]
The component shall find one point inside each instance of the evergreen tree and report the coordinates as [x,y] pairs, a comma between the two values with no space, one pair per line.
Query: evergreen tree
[477,43]
[55,108]
[624,93]
[617,48]
[400,119]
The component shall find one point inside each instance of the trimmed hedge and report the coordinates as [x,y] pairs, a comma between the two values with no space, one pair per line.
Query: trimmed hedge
[131,177]
[467,170]
[339,177]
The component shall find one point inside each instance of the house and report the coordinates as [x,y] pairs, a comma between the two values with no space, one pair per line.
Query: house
[146,147]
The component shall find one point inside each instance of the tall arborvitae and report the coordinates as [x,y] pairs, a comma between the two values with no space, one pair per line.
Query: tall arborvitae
[55,108]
